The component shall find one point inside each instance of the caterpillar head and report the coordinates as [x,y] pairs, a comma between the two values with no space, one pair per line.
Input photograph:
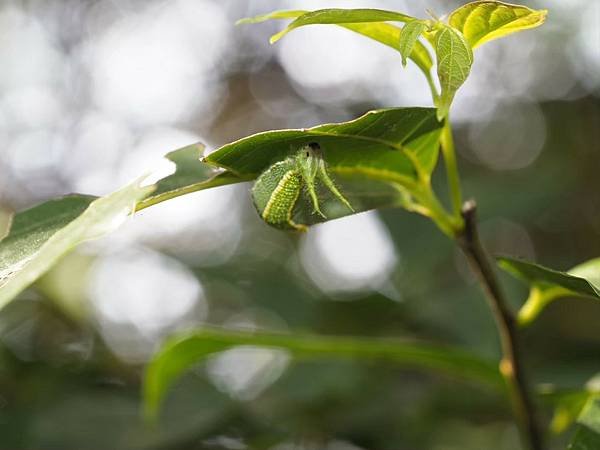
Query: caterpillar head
[308,159]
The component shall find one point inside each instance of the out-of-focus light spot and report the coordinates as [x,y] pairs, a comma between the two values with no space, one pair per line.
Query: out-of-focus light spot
[502,237]
[403,85]
[98,145]
[202,228]
[225,443]
[331,445]
[33,107]
[148,155]
[350,254]
[32,153]
[323,62]
[138,295]
[245,372]
[156,67]
[506,237]
[27,54]
[510,138]
[587,57]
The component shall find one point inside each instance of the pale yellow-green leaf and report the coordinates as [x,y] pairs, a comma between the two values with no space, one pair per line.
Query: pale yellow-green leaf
[454,60]
[409,37]
[381,32]
[283,14]
[483,21]
[339,16]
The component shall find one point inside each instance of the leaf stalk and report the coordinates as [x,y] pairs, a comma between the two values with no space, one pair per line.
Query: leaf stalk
[452,175]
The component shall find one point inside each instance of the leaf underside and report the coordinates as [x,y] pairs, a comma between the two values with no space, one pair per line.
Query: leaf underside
[387,142]
[547,285]
[342,16]
[181,353]
[536,274]
[369,158]
[454,61]
[409,37]
[381,32]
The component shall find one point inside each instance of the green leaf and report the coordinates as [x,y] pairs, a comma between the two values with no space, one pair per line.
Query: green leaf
[381,32]
[587,435]
[283,14]
[41,235]
[191,174]
[567,408]
[180,353]
[409,37]
[388,144]
[547,285]
[483,21]
[376,159]
[339,16]
[454,60]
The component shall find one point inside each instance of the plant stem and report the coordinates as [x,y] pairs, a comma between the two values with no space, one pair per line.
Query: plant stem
[448,224]
[510,364]
[447,142]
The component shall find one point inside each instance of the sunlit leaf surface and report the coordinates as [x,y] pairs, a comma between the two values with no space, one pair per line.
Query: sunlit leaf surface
[454,61]
[483,21]
[382,32]
[409,38]
[338,16]
[40,236]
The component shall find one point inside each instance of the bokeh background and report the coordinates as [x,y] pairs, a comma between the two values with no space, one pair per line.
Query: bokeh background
[93,93]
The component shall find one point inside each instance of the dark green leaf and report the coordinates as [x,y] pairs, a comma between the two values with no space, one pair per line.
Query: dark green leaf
[587,435]
[547,284]
[388,144]
[454,60]
[567,407]
[485,20]
[398,147]
[182,352]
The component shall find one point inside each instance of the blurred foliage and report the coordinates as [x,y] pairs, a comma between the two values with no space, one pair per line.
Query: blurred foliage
[66,383]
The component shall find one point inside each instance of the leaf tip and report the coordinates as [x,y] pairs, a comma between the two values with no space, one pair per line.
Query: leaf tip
[243,21]
[277,36]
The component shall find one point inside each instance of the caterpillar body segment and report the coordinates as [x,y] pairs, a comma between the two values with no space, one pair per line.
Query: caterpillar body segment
[277,190]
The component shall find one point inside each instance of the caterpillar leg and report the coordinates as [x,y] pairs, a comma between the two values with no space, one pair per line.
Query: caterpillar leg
[298,226]
[328,182]
[310,187]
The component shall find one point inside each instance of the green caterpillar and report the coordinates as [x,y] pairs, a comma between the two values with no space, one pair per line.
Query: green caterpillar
[278,188]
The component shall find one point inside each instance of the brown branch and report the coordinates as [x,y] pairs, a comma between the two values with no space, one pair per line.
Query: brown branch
[510,365]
